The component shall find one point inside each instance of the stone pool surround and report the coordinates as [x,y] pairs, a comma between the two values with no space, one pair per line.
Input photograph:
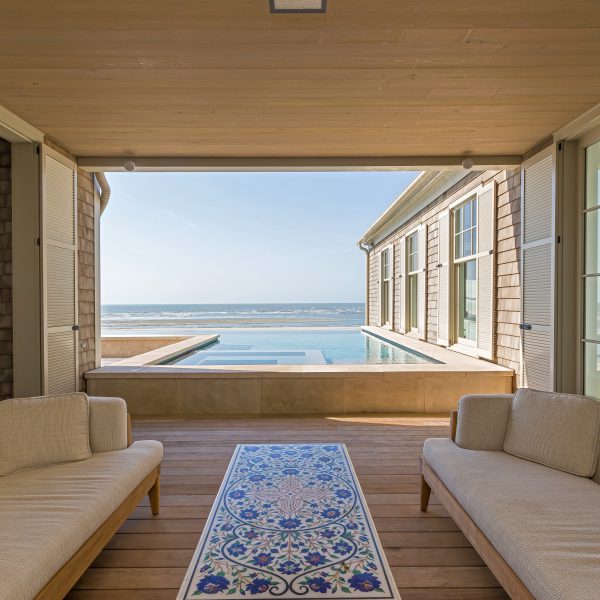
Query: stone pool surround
[151,389]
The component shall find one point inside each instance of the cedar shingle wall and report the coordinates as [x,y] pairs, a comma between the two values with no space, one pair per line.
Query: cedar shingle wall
[87,301]
[508,206]
[6,334]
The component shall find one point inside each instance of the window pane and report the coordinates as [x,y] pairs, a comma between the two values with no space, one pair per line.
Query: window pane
[592,308]
[592,370]
[413,302]
[467,243]
[458,220]
[474,240]
[412,249]
[592,175]
[467,300]
[474,210]
[467,216]
[457,248]
[592,248]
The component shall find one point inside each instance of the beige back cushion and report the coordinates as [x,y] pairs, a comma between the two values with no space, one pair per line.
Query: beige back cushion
[43,431]
[597,474]
[561,431]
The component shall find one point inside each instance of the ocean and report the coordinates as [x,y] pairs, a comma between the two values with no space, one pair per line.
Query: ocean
[193,319]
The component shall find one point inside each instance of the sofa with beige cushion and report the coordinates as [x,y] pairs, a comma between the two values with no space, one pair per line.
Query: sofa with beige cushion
[69,477]
[520,476]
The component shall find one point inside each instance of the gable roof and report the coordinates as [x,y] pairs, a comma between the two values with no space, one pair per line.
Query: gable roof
[425,188]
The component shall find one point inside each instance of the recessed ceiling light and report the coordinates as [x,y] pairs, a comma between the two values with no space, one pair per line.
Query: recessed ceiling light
[298,6]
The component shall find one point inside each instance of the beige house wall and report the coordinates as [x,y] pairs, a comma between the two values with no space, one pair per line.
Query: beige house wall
[6,329]
[86,215]
[508,291]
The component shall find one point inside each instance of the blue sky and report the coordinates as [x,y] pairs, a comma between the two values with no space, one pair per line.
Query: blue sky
[240,237]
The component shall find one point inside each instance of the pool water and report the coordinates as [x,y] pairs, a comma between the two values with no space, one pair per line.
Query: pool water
[308,347]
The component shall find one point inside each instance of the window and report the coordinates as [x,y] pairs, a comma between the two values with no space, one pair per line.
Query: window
[413,276]
[591,276]
[386,286]
[465,265]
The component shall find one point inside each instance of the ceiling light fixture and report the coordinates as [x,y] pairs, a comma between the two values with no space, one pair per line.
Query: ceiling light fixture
[298,6]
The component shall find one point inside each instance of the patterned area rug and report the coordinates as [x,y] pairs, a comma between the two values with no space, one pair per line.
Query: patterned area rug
[289,521]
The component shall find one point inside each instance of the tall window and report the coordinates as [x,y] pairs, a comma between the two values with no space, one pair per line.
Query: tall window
[412,246]
[465,266]
[386,286]
[591,276]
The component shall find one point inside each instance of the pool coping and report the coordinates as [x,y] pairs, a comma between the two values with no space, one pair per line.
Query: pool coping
[168,352]
[144,365]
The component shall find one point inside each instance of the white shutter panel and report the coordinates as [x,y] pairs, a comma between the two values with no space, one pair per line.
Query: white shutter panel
[60,274]
[443,302]
[402,285]
[391,288]
[537,272]
[486,224]
[421,280]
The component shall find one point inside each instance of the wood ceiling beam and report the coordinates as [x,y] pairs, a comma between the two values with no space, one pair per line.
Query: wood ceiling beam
[365,163]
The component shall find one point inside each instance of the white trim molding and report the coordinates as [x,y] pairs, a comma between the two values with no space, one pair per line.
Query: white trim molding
[424,189]
[16,130]
[579,126]
[294,163]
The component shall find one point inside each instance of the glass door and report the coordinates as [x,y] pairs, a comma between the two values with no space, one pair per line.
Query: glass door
[591,271]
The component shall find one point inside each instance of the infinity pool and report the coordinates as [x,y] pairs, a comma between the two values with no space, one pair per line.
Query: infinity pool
[307,347]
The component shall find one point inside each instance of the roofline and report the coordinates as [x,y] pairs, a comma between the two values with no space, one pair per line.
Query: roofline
[427,186]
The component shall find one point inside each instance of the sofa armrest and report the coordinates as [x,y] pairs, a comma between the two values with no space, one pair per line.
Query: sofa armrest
[482,421]
[453,424]
[108,424]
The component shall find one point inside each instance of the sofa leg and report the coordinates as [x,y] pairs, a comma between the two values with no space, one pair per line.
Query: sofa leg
[425,493]
[154,495]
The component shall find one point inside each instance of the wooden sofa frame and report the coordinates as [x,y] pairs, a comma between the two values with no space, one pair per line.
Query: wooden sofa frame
[64,579]
[508,579]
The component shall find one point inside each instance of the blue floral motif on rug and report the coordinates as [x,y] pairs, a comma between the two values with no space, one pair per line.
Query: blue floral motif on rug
[289,521]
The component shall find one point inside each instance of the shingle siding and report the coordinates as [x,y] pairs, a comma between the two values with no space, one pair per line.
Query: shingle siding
[87,273]
[508,244]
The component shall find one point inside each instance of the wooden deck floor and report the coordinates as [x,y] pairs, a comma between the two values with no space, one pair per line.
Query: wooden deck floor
[430,557]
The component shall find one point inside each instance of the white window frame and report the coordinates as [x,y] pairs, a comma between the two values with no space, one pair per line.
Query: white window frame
[386,321]
[457,343]
[456,262]
[412,238]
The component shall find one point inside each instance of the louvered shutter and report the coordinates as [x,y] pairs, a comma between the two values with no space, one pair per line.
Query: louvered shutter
[443,301]
[391,287]
[421,280]
[537,272]
[486,224]
[60,274]
[402,285]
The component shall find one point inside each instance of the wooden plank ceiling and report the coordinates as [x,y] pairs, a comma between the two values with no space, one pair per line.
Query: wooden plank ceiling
[225,78]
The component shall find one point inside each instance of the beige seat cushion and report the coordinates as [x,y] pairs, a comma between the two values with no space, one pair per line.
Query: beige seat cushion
[48,513]
[43,431]
[557,430]
[545,523]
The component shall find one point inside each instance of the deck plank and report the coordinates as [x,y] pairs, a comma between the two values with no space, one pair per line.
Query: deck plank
[429,556]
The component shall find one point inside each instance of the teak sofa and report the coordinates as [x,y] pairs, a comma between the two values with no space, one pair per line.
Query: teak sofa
[520,476]
[69,477]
